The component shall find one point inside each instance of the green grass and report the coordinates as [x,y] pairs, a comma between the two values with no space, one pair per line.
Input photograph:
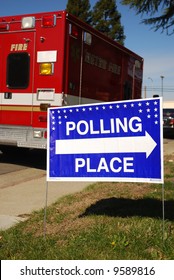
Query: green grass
[105,221]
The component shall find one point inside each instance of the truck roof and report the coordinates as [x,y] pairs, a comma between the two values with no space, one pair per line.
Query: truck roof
[72,18]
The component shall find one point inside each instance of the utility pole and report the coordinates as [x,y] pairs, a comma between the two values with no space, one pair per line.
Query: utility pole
[152,84]
[162,78]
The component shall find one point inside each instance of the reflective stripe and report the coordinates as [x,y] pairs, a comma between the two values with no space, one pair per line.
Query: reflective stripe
[16,108]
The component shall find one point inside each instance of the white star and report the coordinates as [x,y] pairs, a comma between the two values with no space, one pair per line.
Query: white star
[147,103]
[132,105]
[90,109]
[156,109]
[103,107]
[148,110]
[140,111]
[148,116]
[96,108]
[139,104]
[125,105]
[83,109]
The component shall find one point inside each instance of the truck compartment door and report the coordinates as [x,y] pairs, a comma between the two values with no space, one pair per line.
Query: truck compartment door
[16,83]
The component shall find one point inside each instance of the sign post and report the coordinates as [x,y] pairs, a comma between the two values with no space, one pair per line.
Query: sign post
[114,141]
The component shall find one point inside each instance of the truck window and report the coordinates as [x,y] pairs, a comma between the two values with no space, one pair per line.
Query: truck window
[18,65]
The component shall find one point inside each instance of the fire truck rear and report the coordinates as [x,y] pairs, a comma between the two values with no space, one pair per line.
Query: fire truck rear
[54,59]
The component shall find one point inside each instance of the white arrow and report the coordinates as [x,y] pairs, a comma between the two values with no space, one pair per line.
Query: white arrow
[134,144]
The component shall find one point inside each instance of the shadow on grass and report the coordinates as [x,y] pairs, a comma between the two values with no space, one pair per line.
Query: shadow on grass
[121,207]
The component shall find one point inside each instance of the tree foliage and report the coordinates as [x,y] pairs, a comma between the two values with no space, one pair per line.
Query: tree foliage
[107,19]
[80,9]
[161,13]
[104,16]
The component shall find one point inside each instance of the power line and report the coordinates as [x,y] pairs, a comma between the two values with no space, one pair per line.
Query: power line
[165,89]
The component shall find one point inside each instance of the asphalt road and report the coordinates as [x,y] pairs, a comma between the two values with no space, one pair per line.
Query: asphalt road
[19,159]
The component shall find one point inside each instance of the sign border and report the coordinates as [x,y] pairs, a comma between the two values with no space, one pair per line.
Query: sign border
[109,179]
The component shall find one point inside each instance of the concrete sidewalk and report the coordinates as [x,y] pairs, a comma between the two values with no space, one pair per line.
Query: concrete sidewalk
[18,198]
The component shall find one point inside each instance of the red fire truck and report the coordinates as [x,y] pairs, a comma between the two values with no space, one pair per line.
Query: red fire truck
[54,59]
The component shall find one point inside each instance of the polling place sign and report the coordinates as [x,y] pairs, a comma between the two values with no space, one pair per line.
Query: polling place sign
[114,141]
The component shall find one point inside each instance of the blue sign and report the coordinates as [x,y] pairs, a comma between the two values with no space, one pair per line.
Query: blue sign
[114,141]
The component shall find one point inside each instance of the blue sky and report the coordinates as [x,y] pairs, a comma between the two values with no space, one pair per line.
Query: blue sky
[155,47]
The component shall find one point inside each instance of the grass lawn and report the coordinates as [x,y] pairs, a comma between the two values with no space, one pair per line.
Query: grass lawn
[106,221]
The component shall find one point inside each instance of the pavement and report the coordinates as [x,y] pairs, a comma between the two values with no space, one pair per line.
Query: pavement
[19,198]
[24,191]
